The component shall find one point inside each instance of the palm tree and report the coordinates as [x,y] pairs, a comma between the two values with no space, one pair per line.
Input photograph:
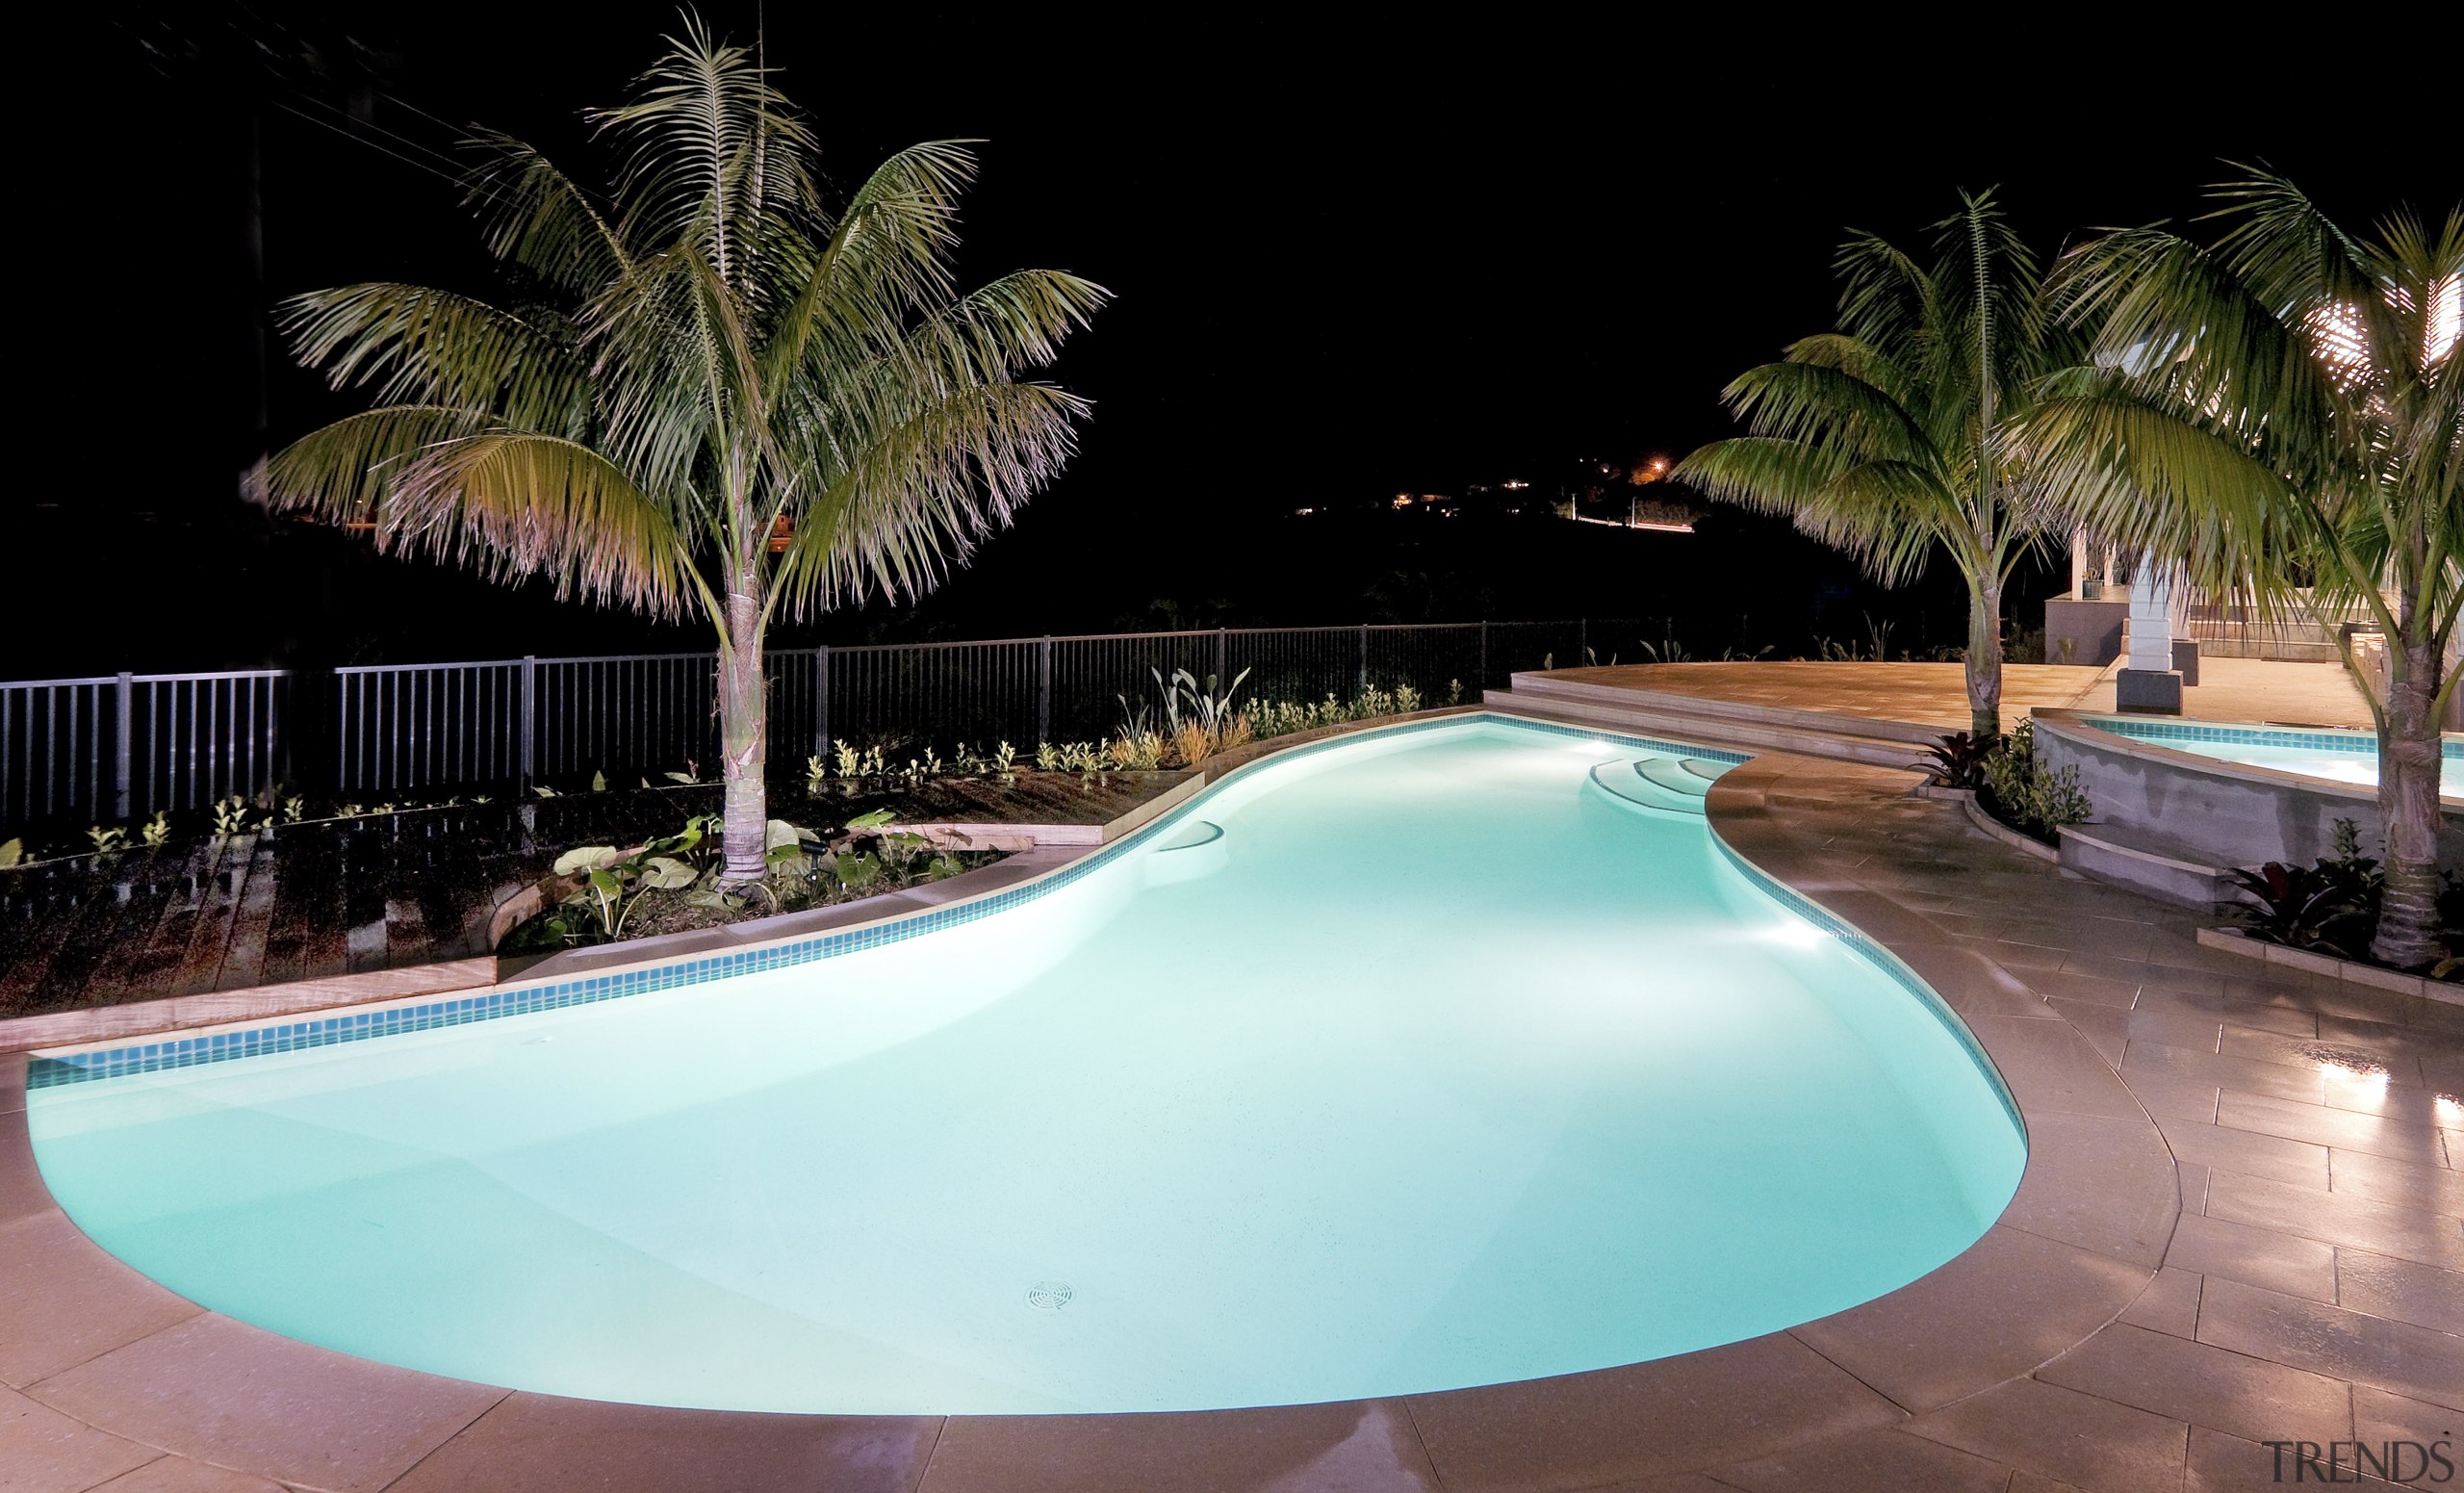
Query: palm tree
[708,392]
[2279,413]
[1892,437]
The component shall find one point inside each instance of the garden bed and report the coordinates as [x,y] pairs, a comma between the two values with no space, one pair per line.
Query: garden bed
[322,899]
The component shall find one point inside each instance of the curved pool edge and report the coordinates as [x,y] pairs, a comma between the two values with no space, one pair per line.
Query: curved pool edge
[2083,1237]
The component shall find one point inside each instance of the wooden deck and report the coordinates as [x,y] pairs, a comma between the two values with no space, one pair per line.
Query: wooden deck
[1921,694]
[1936,694]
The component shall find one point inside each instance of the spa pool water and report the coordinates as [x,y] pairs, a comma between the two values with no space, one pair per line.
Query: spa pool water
[1437,1067]
[2337,756]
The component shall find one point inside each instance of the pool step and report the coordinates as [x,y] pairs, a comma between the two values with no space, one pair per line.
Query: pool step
[1669,773]
[1186,853]
[1712,722]
[1623,781]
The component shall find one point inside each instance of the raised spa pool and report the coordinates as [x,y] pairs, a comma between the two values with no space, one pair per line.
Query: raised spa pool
[1444,1056]
[2313,752]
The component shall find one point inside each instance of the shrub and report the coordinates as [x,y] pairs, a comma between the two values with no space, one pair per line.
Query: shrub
[2024,793]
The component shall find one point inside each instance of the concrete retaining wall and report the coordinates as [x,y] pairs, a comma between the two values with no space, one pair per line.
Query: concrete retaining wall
[2229,813]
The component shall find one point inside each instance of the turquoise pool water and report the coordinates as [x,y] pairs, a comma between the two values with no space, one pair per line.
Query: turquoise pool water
[2338,756]
[1444,1062]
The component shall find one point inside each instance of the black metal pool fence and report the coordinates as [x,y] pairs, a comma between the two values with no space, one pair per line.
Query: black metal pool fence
[113,748]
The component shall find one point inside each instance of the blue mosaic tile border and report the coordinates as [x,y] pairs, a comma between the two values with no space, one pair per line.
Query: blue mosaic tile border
[2360,743]
[1891,967]
[43,1072]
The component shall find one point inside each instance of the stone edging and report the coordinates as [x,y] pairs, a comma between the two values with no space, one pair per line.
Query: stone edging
[2353,971]
[2077,1243]
[2007,836]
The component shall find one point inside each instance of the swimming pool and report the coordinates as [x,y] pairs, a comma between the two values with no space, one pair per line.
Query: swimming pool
[2313,752]
[1439,1057]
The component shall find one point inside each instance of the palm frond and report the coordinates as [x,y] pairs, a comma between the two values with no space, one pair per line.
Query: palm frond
[920,495]
[532,216]
[413,345]
[511,502]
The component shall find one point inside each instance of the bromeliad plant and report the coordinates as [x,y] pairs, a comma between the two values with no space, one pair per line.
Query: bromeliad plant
[2297,906]
[1958,760]
[713,390]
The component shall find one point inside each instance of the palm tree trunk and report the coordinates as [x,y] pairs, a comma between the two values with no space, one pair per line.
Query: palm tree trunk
[743,736]
[2408,766]
[1984,657]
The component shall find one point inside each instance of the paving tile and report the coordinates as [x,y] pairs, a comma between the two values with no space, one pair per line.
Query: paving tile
[2049,1066]
[2412,1361]
[42,1450]
[2249,1075]
[22,1193]
[2194,1181]
[2351,1059]
[2382,1286]
[12,1082]
[2248,1152]
[2431,1030]
[2115,966]
[224,1392]
[2210,1246]
[2367,1094]
[2314,1121]
[1873,1461]
[2168,1305]
[2222,1463]
[2105,937]
[65,1301]
[1969,982]
[2379,1417]
[180,1475]
[2021,957]
[2106,1185]
[2086,989]
[2266,1016]
[1682,1482]
[2106,1027]
[1698,1410]
[542,1442]
[2013,1301]
[2206,1385]
[2065,1435]
[2386,1179]
[2172,1096]
[2407,1232]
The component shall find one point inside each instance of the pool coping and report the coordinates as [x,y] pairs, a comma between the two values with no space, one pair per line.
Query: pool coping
[2083,1238]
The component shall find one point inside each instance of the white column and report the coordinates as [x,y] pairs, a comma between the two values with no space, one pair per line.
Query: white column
[2152,620]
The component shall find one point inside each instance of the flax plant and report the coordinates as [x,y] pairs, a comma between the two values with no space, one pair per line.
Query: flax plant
[712,390]
[1894,436]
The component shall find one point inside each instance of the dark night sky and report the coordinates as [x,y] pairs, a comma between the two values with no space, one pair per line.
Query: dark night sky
[1347,263]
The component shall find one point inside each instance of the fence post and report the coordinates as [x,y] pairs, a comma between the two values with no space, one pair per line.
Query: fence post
[821,700]
[1363,687]
[1480,686]
[1043,690]
[119,753]
[530,717]
[1582,640]
[1222,661]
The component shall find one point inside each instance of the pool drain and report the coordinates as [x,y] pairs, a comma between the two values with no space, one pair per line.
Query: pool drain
[1050,1295]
